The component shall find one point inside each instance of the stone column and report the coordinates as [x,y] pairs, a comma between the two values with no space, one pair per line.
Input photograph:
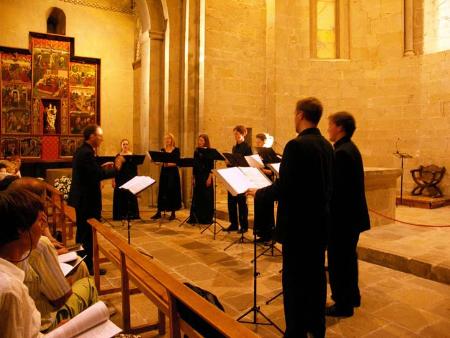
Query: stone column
[409,27]
[144,92]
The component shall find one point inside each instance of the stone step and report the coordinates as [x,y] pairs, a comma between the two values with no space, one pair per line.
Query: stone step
[421,267]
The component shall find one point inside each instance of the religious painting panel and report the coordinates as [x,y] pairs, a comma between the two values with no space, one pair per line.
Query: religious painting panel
[16,67]
[51,116]
[30,147]
[68,146]
[50,67]
[79,120]
[47,97]
[64,117]
[83,75]
[9,146]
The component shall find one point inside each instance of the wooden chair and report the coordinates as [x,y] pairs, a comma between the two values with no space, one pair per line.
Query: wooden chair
[428,178]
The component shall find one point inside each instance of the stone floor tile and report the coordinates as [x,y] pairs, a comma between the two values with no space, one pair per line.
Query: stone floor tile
[406,316]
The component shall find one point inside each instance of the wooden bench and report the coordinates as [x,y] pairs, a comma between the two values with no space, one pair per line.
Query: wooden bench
[158,286]
[60,215]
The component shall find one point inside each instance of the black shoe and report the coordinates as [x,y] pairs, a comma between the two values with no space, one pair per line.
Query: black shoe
[242,230]
[357,302]
[232,227]
[338,311]
[101,271]
[172,216]
[262,239]
[156,216]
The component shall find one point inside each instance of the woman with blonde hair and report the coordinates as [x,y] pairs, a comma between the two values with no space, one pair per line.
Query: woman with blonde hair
[125,204]
[169,194]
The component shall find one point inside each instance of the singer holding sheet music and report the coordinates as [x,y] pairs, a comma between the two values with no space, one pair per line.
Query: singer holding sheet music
[241,147]
[125,204]
[202,207]
[169,194]
[264,218]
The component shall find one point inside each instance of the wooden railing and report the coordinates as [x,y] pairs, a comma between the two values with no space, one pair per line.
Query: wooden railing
[60,215]
[160,287]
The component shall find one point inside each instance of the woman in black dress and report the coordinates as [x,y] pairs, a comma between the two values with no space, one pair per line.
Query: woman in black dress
[202,208]
[169,194]
[124,203]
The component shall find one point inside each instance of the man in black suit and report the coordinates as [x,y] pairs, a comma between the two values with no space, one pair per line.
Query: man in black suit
[350,216]
[304,191]
[85,191]
[240,201]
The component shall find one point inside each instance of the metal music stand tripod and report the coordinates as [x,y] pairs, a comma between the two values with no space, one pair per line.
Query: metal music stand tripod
[187,162]
[213,155]
[255,309]
[402,157]
[135,186]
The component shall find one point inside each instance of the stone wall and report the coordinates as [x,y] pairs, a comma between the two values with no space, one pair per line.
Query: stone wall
[234,69]
[254,76]
[395,99]
[98,33]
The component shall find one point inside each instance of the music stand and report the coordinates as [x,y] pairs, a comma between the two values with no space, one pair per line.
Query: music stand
[268,155]
[236,160]
[135,186]
[187,162]
[104,159]
[401,156]
[214,155]
[255,309]
[134,160]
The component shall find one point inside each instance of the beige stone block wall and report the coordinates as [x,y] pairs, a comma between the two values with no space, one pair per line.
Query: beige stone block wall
[98,33]
[395,99]
[234,69]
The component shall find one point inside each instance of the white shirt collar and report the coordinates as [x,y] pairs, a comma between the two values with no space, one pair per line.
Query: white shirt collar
[12,270]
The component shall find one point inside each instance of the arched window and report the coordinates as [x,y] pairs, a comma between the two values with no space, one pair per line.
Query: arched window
[329,29]
[56,21]
[436,25]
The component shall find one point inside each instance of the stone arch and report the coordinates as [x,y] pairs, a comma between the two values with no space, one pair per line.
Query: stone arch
[56,21]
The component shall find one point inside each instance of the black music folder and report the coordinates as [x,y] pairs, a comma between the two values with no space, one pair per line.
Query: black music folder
[236,160]
[134,159]
[268,155]
[103,159]
[163,157]
[211,154]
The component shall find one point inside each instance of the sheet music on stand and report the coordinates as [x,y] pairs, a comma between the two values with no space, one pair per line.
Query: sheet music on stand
[138,184]
[235,160]
[254,161]
[275,167]
[239,179]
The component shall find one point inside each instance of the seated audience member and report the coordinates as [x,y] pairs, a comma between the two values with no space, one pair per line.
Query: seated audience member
[22,215]
[54,297]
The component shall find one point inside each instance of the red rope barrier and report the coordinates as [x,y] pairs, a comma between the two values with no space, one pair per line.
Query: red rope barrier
[415,224]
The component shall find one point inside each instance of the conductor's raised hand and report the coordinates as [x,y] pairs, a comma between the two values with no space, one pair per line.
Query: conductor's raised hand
[108,165]
[118,162]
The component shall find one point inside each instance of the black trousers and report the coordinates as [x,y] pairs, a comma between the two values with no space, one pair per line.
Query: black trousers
[264,218]
[233,203]
[84,233]
[304,289]
[343,268]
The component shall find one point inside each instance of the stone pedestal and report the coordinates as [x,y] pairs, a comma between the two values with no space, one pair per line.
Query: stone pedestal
[381,190]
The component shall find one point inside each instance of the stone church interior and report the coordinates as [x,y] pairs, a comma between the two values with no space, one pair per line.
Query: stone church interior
[225,168]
